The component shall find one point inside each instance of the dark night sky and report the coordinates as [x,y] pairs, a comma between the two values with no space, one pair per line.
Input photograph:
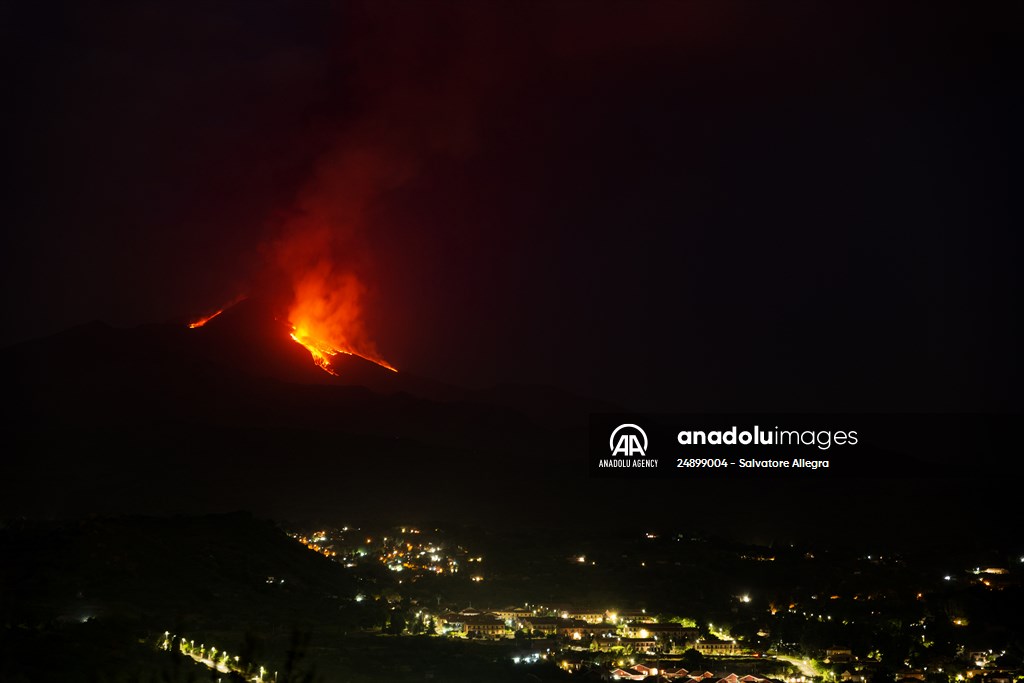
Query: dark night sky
[675,205]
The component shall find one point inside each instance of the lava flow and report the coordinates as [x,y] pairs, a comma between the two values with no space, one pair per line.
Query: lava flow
[323,352]
[199,322]
[202,321]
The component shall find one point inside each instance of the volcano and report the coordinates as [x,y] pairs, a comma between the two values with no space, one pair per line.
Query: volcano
[234,413]
[250,337]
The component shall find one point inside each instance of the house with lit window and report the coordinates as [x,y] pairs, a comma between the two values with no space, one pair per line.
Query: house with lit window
[677,633]
[710,645]
[545,625]
[590,616]
[838,654]
[484,625]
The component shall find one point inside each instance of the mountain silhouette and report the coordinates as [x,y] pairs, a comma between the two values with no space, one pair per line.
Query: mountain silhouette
[235,414]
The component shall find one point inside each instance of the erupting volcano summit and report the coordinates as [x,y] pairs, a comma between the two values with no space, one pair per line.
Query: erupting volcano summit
[323,352]
[251,335]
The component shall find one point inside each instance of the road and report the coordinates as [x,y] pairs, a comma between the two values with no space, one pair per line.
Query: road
[803,664]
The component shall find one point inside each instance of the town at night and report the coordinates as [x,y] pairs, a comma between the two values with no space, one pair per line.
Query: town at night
[234,597]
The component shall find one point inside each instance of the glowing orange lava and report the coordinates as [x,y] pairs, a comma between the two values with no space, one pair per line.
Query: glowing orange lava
[326,316]
[323,352]
[202,321]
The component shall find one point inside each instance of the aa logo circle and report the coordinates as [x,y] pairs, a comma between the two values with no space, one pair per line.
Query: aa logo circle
[629,440]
